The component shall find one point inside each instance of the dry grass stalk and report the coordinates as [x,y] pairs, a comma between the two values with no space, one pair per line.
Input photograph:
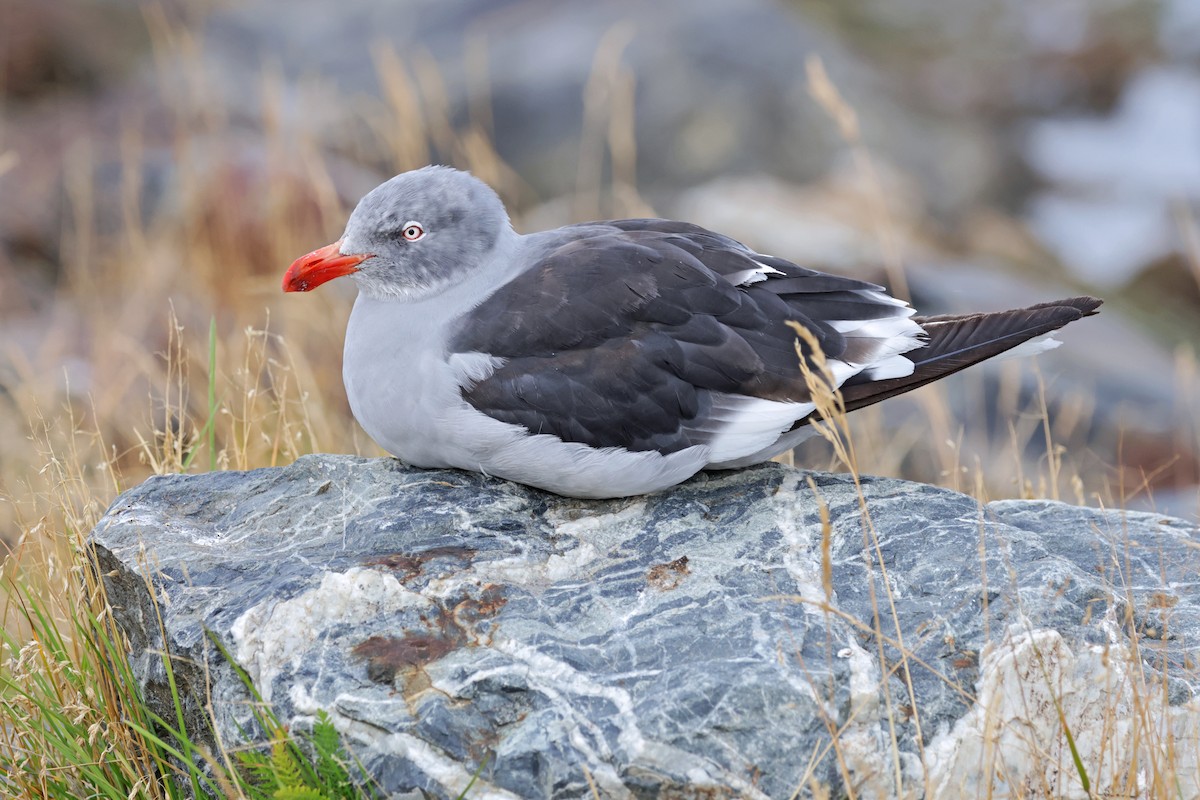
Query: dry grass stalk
[822,89]
[830,422]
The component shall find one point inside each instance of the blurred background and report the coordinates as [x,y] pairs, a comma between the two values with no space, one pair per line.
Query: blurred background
[162,163]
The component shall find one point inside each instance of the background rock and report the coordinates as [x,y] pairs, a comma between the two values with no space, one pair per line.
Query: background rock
[685,644]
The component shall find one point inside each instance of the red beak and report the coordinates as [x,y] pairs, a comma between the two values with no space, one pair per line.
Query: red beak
[321,265]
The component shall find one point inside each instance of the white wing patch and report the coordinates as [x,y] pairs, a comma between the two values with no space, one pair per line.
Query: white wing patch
[743,425]
[886,328]
[1032,347]
[471,368]
[749,276]
[884,339]
[886,299]
[894,367]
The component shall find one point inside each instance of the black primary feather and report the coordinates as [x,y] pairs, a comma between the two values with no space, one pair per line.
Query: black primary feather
[958,341]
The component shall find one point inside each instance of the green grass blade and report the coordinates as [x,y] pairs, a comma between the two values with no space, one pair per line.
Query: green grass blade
[474,778]
[1079,768]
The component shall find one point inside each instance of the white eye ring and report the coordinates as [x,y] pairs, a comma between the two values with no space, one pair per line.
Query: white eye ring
[412,231]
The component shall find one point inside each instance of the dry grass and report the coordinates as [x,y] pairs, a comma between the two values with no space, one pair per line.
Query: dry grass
[194,361]
[1035,752]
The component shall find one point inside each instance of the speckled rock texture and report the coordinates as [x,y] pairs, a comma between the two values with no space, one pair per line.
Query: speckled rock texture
[716,640]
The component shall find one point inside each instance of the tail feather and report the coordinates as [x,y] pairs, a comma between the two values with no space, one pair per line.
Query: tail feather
[958,341]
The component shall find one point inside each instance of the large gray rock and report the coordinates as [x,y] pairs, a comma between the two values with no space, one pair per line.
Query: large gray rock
[694,643]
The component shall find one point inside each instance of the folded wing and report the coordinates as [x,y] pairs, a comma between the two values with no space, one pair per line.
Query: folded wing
[659,335]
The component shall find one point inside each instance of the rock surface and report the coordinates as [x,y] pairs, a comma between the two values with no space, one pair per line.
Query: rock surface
[694,643]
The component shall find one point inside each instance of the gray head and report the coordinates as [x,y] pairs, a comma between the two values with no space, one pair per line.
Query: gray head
[411,237]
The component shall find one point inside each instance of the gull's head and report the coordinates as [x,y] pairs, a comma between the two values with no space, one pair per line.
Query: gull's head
[410,237]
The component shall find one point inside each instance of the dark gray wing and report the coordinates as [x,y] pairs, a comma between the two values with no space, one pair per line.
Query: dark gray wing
[629,333]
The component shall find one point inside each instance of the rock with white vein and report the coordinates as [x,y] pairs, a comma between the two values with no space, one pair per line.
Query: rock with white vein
[685,644]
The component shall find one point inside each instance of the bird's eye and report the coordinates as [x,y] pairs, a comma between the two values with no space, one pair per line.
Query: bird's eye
[413,231]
